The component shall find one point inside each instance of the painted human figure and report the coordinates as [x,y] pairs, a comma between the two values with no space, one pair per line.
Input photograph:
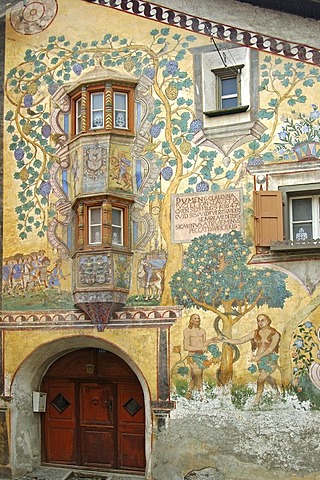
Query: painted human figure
[194,341]
[265,342]
[55,276]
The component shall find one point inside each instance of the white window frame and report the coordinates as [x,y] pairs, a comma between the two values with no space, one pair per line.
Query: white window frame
[125,111]
[118,227]
[92,110]
[314,221]
[221,74]
[78,116]
[221,97]
[92,225]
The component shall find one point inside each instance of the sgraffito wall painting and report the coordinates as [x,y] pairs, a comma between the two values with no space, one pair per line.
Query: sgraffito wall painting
[192,216]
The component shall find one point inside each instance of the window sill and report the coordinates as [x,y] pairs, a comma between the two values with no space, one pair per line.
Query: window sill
[226,111]
[295,245]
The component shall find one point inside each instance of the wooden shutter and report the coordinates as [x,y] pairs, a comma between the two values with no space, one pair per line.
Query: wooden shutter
[268,217]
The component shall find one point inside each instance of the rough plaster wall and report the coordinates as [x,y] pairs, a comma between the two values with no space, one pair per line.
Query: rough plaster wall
[238,445]
[276,24]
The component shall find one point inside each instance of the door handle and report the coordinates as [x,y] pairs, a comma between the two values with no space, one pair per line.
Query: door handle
[109,404]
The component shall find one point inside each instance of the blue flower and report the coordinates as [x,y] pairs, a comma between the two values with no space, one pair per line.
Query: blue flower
[308,324]
[298,343]
[282,135]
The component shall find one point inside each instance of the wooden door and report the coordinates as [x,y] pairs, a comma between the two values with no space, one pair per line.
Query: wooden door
[131,421]
[94,419]
[97,429]
[60,422]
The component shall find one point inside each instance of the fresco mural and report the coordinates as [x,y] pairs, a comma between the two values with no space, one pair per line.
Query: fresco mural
[212,272]
[34,280]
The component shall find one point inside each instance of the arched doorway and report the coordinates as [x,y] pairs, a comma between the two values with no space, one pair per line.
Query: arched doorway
[95,414]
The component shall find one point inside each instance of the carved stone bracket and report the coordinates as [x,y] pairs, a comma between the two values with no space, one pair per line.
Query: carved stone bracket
[99,313]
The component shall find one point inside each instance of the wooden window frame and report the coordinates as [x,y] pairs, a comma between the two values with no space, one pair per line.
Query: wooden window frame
[83,208]
[92,93]
[91,225]
[279,237]
[127,90]
[296,191]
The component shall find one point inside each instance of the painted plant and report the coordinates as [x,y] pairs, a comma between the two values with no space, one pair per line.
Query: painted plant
[215,277]
[183,166]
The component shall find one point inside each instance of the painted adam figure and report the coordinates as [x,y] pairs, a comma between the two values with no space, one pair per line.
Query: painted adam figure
[265,345]
[194,341]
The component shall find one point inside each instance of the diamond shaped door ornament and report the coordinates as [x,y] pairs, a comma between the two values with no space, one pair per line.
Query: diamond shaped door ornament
[60,403]
[132,407]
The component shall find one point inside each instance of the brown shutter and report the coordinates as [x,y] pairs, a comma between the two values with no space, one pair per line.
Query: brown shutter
[268,217]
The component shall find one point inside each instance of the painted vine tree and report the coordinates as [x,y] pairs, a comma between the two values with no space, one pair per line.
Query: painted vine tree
[184,166]
[216,278]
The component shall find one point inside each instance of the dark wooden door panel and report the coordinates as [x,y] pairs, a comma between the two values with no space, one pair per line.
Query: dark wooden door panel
[60,422]
[97,403]
[97,424]
[132,450]
[97,447]
[131,425]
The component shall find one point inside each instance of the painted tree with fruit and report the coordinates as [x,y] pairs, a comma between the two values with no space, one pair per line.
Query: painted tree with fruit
[183,166]
[215,277]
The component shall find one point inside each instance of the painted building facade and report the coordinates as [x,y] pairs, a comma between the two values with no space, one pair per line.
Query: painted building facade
[160,240]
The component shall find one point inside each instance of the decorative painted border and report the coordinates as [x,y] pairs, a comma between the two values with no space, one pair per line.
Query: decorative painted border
[127,317]
[219,31]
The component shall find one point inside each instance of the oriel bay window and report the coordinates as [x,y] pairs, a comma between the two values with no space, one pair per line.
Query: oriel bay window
[102,224]
[105,108]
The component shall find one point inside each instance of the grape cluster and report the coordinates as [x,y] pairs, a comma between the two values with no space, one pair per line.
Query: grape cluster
[52,88]
[196,125]
[255,162]
[150,72]
[18,154]
[45,189]
[202,187]
[172,67]
[155,130]
[28,100]
[167,173]
[46,131]
[77,68]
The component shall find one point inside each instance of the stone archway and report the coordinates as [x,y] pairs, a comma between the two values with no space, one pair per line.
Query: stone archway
[25,424]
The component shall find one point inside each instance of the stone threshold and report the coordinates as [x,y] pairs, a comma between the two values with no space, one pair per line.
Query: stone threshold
[58,473]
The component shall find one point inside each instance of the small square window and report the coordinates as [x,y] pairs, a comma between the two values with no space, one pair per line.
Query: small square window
[97,110]
[95,225]
[117,226]
[120,110]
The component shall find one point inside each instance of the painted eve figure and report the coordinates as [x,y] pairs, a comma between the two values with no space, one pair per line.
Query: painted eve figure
[194,341]
[265,344]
